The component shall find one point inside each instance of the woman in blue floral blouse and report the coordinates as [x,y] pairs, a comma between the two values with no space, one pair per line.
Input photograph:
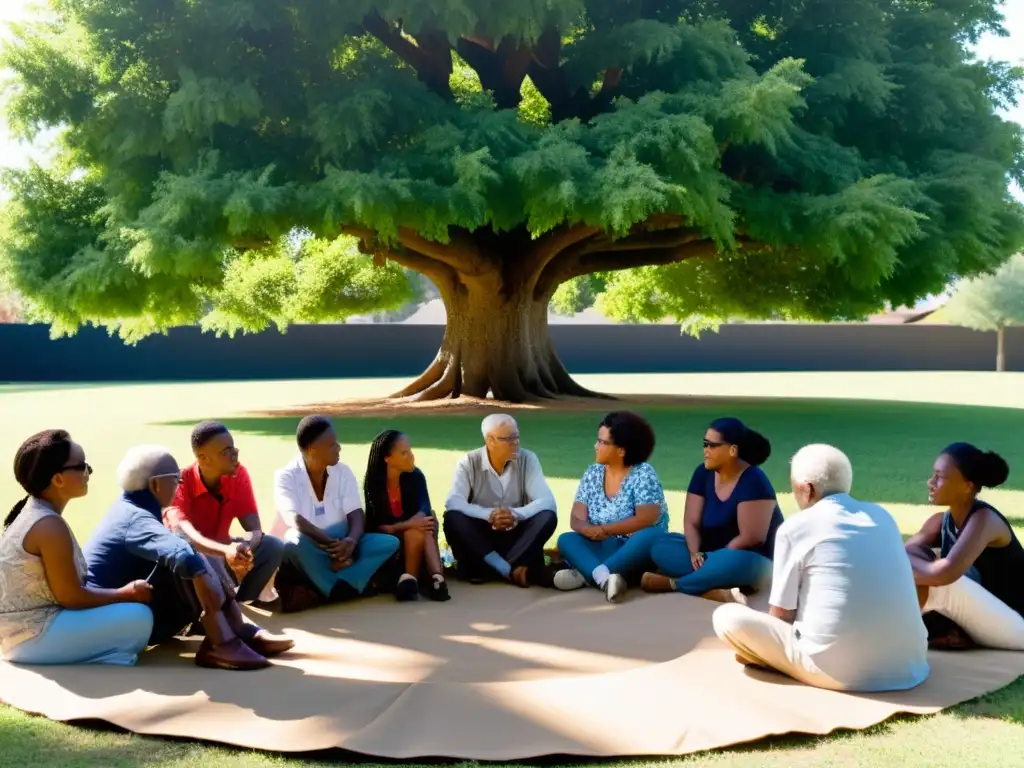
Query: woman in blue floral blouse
[619,511]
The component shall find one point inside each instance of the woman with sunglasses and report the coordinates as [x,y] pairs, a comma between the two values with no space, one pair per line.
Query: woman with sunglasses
[729,521]
[48,615]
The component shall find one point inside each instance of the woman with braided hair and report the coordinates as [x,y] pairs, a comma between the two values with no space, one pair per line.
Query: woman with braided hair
[48,615]
[397,502]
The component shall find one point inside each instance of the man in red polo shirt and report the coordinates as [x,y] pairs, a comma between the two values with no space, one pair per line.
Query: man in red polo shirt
[214,492]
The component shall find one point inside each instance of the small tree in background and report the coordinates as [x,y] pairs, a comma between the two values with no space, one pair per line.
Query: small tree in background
[990,303]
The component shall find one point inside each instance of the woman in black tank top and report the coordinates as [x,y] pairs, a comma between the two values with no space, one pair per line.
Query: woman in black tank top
[976,580]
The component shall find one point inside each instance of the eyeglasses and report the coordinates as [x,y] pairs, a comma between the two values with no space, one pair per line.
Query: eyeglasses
[175,475]
[507,439]
[81,467]
[711,444]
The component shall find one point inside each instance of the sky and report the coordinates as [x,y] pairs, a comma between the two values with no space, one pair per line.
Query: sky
[17,154]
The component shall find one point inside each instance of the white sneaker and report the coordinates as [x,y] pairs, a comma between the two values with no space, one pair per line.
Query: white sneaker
[569,579]
[615,589]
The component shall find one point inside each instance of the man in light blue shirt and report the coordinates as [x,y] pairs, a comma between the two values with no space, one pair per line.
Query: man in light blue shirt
[843,612]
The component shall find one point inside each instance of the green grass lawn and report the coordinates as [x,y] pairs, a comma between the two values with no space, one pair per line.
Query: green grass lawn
[891,425]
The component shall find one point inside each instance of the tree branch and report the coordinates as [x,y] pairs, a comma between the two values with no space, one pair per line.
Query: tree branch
[430,55]
[461,253]
[576,262]
[501,69]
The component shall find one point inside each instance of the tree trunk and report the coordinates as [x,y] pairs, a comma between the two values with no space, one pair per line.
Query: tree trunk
[496,342]
[1001,348]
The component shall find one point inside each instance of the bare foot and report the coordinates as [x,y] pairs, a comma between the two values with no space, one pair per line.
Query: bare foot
[655,582]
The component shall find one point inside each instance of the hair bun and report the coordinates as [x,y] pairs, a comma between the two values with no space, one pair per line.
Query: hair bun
[993,470]
[756,448]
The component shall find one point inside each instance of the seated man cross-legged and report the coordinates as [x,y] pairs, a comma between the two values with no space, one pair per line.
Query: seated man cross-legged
[132,543]
[318,498]
[214,492]
[500,511]
[843,608]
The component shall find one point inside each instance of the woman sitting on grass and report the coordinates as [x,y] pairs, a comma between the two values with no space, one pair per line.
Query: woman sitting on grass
[618,513]
[977,580]
[729,521]
[47,613]
[397,502]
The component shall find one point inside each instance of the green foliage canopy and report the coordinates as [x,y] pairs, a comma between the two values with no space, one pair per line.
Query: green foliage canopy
[762,158]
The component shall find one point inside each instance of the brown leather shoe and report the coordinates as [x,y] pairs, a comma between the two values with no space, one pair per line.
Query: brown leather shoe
[234,655]
[268,644]
[655,582]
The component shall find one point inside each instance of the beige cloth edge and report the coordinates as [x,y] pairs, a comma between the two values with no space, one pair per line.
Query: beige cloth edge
[496,674]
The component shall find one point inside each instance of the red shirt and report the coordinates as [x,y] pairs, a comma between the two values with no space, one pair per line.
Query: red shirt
[211,516]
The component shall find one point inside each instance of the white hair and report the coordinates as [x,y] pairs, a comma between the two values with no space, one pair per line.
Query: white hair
[494,421]
[141,464]
[825,467]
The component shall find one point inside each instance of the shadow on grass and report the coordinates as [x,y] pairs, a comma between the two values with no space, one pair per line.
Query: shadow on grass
[892,445]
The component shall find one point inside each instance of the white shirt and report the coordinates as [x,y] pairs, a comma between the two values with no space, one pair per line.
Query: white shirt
[842,567]
[294,495]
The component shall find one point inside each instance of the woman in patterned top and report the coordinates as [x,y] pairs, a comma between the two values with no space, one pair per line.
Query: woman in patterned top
[618,513]
[729,523]
[47,613]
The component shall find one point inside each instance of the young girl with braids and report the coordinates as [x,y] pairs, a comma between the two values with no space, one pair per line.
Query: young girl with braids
[397,503]
[48,615]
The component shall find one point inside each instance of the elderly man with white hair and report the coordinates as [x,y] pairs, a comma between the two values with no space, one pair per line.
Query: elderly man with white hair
[500,511]
[131,543]
[843,609]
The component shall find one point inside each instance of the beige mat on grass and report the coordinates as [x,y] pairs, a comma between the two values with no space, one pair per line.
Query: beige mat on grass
[497,673]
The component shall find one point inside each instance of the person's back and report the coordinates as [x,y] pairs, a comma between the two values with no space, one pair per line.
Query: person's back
[857,613]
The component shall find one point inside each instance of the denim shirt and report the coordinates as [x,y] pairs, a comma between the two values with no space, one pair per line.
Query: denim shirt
[132,539]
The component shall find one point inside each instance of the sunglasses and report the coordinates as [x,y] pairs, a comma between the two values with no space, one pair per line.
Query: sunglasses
[711,444]
[82,467]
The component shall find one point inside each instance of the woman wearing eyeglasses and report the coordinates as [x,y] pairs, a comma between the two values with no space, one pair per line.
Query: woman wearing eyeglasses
[729,521]
[47,613]
[618,513]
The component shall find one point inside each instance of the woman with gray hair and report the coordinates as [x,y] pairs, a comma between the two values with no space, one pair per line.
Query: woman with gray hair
[843,607]
[131,542]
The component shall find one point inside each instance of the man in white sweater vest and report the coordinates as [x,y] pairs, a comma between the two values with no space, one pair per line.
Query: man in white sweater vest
[500,511]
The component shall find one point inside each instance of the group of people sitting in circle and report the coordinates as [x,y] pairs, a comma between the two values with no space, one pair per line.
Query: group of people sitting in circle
[830,596]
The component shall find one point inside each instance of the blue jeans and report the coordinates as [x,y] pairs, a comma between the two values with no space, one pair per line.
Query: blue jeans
[722,569]
[624,556]
[111,634]
[372,551]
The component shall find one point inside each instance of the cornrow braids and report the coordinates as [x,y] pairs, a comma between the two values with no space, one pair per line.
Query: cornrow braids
[375,482]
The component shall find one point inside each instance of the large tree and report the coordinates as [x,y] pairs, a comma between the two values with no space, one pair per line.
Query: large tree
[784,158]
[990,302]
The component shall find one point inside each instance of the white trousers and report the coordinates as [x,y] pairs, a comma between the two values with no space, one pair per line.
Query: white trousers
[989,621]
[768,642]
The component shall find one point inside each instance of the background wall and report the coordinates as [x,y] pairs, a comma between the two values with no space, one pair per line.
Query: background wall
[350,351]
